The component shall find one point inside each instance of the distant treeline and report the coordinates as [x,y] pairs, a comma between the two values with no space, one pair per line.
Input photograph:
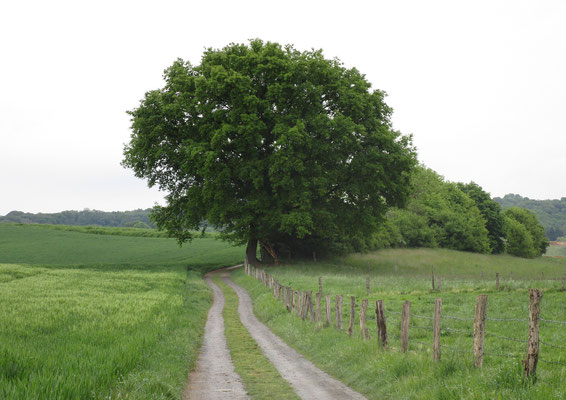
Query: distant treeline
[129,219]
[551,213]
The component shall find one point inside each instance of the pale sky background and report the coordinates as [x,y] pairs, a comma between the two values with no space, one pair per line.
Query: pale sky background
[480,84]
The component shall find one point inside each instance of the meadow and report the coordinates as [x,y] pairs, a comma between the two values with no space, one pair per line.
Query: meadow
[557,250]
[96,316]
[404,274]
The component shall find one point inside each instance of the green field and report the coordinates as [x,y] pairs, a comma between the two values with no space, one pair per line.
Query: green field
[47,245]
[390,374]
[556,251]
[101,316]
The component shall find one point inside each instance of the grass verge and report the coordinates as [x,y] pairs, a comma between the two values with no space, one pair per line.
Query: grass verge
[260,377]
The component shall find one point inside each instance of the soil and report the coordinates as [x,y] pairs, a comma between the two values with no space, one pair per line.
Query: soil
[308,381]
[214,377]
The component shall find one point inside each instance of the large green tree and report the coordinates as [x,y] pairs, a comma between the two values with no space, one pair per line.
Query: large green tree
[269,144]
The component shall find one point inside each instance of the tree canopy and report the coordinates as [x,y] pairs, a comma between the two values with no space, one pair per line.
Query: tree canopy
[440,214]
[270,144]
[551,213]
[525,234]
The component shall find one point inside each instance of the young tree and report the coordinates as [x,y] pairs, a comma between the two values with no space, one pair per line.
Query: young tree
[269,144]
[535,243]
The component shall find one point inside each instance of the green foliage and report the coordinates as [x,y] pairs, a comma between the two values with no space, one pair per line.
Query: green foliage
[551,213]
[441,214]
[519,240]
[490,211]
[270,144]
[85,217]
[525,234]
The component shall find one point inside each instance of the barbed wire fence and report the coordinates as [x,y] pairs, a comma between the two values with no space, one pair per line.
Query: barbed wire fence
[302,304]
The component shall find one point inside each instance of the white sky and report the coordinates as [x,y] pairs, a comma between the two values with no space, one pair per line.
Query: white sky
[480,84]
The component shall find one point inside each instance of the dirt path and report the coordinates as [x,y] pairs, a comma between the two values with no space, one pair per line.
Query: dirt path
[307,380]
[214,377]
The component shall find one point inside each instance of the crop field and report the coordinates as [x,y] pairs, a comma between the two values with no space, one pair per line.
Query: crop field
[399,275]
[95,316]
[48,245]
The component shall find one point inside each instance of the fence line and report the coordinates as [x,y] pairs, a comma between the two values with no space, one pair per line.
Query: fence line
[286,294]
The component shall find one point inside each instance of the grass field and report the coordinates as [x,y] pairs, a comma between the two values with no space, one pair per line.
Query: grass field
[89,316]
[556,250]
[390,374]
[40,245]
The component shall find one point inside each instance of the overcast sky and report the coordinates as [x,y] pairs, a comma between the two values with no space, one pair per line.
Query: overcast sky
[480,84]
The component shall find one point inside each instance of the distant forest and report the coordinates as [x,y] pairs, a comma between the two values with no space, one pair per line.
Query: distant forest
[551,213]
[135,219]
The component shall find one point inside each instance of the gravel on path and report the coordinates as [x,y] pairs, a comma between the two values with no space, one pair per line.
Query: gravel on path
[308,381]
[214,377]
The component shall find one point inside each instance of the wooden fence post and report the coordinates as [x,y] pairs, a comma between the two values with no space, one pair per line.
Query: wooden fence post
[433,277]
[381,325]
[294,300]
[363,326]
[328,310]
[531,362]
[479,328]
[305,305]
[497,281]
[339,312]
[299,303]
[405,319]
[436,329]
[352,315]
[318,313]
[311,308]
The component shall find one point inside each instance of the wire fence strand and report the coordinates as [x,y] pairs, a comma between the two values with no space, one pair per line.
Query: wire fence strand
[552,345]
[506,337]
[552,321]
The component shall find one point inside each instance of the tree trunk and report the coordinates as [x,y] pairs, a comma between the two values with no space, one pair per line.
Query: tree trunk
[251,252]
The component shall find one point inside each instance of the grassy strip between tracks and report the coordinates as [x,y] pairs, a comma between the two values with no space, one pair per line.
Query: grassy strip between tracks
[261,379]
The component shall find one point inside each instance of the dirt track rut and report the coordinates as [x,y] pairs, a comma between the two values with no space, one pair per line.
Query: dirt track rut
[214,377]
[308,381]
